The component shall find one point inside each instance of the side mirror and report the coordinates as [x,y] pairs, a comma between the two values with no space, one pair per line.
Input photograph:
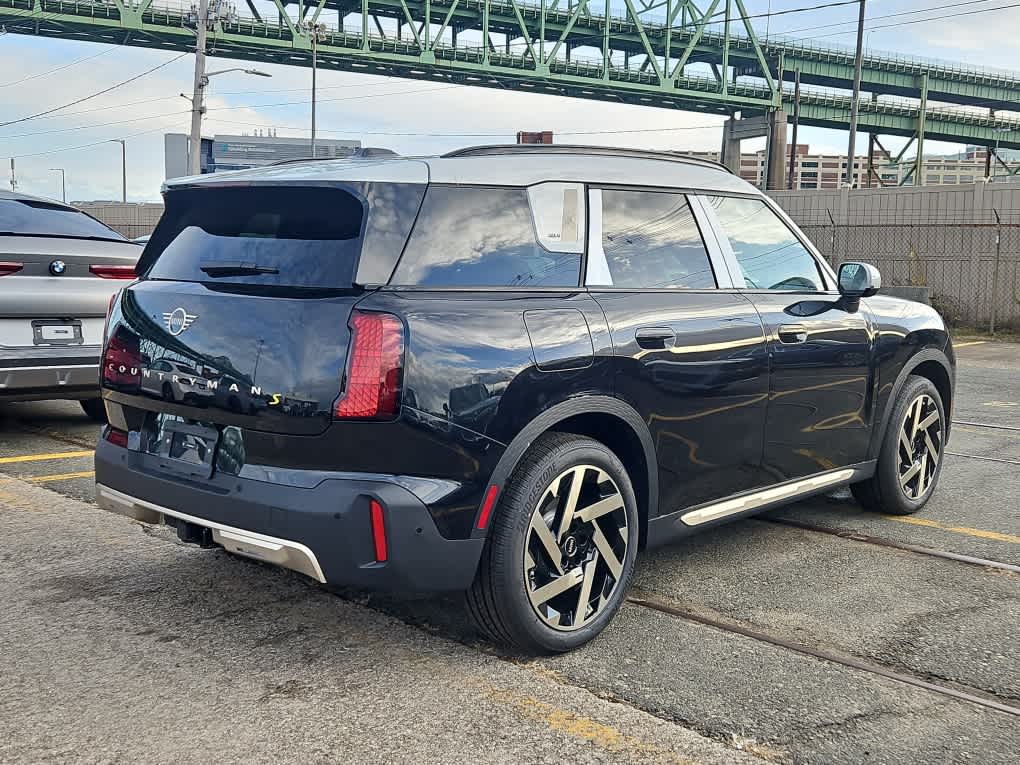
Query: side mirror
[859,280]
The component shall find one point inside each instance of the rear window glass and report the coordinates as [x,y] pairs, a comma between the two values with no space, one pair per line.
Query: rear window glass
[483,237]
[28,217]
[286,236]
[651,240]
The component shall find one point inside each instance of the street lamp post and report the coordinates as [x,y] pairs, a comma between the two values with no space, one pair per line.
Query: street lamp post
[201,81]
[63,182]
[123,168]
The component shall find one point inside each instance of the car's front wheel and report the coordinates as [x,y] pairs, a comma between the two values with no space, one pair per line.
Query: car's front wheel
[560,554]
[910,460]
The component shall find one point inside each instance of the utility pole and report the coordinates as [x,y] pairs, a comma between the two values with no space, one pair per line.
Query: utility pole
[315,30]
[855,103]
[123,168]
[14,178]
[315,37]
[198,90]
[796,124]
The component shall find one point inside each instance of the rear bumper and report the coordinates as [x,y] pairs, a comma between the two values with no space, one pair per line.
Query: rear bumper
[41,373]
[323,531]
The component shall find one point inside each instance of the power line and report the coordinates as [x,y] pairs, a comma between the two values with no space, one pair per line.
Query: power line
[93,95]
[944,16]
[902,13]
[59,68]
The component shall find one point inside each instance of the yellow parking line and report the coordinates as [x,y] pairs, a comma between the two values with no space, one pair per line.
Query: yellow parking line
[49,456]
[980,533]
[60,476]
[972,342]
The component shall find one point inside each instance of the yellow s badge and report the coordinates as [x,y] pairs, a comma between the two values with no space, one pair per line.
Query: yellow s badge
[275,400]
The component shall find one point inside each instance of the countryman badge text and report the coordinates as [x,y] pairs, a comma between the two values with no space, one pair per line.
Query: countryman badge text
[212,385]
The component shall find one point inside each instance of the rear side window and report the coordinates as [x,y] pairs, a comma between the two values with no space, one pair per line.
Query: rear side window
[296,236]
[29,217]
[769,255]
[651,241]
[485,237]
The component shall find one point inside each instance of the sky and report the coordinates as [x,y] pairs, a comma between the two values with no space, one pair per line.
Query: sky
[408,116]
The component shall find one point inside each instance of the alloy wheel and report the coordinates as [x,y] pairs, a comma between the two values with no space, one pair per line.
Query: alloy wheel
[576,547]
[920,446]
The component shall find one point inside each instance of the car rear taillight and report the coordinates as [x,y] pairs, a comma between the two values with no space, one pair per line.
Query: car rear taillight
[7,267]
[122,360]
[375,368]
[113,272]
[116,437]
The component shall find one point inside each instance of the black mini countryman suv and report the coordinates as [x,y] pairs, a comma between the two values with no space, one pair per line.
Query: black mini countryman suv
[503,371]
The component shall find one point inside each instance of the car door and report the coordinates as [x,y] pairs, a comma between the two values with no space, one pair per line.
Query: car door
[820,347]
[689,357]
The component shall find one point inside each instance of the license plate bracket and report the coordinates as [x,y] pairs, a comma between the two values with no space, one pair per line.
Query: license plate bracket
[57,332]
[188,450]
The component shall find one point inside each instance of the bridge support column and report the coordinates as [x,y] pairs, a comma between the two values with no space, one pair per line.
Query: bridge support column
[771,126]
[730,155]
[775,151]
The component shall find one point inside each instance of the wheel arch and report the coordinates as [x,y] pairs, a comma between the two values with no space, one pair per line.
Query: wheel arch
[931,364]
[607,420]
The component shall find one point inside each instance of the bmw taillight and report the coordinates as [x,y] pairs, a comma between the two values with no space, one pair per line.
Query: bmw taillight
[7,267]
[375,368]
[113,272]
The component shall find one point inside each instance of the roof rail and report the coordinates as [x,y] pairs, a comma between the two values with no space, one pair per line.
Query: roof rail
[365,152]
[560,148]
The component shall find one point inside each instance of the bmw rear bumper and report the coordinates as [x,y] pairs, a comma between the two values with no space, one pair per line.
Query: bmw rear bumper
[44,373]
[322,529]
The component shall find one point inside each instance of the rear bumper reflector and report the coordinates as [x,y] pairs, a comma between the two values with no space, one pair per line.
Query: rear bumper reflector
[378,531]
[487,505]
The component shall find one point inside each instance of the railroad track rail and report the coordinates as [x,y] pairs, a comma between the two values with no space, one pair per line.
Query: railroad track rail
[650,600]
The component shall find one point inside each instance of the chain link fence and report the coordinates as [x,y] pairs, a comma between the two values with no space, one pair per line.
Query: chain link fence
[969,262]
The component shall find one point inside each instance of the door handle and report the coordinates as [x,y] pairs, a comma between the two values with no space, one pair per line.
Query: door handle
[792,333]
[655,338]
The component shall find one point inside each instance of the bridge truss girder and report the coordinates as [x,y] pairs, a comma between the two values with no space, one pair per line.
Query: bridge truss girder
[636,62]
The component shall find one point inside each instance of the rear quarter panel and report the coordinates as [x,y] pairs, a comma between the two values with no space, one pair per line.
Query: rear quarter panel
[471,362]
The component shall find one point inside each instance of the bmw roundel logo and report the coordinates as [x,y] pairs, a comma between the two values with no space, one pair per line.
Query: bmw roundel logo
[57,267]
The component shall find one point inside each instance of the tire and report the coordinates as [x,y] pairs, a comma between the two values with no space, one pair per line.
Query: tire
[94,409]
[904,478]
[505,600]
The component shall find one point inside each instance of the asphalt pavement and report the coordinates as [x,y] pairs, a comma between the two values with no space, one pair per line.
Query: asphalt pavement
[757,641]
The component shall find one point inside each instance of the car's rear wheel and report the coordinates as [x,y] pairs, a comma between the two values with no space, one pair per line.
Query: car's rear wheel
[560,554]
[94,409]
[910,460]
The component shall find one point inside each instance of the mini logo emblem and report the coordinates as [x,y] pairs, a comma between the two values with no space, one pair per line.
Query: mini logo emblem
[570,546]
[57,267]
[178,320]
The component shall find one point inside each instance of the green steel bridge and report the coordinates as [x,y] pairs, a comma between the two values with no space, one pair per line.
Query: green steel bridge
[670,54]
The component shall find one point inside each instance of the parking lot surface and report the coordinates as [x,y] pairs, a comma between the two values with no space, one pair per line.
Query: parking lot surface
[815,633]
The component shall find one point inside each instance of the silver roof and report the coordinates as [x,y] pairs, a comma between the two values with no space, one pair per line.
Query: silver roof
[513,168]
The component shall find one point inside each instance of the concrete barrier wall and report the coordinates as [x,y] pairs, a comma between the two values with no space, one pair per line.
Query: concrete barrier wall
[961,242]
[132,220]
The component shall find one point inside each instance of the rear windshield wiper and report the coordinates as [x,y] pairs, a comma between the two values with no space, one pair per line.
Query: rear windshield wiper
[236,268]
